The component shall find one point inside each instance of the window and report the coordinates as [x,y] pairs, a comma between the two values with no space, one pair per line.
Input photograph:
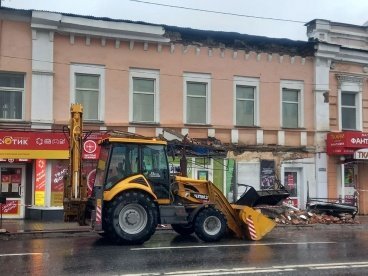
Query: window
[246,101]
[348,110]
[350,102]
[292,104]
[143,100]
[197,98]
[144,96]
[86,93]
[88,89]
[290,108]
[248,173]
[155,168]
[11,96]
[123,163]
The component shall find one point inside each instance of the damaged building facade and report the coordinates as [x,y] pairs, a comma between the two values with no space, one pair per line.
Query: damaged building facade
[254,96]
[341,74]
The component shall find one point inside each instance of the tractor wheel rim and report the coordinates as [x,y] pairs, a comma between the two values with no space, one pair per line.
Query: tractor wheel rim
[212,225]
[133,218]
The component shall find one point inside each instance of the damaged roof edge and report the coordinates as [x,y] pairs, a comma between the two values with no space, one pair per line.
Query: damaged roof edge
[208,38]
[240,41]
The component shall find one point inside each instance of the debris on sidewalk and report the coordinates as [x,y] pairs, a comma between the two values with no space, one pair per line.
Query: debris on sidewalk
[289,215]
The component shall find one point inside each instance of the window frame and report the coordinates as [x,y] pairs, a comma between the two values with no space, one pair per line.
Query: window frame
[197,78]
[293,85]
[145,74]
[94,70]
[351,87]
[249,82]
[15,89]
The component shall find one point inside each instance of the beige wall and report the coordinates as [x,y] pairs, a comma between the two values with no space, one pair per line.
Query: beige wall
[345,68]
[172,65]
[333,174]
[16,54]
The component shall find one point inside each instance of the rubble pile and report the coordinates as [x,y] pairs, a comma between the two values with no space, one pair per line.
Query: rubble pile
[284,215]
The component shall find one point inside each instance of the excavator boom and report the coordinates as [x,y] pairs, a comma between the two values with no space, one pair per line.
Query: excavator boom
[75,188]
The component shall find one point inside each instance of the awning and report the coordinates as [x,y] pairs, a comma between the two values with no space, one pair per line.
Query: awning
[43,145]
[33,145]
[346,142]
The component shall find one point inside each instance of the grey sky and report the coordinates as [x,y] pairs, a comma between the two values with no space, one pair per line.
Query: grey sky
[345,11]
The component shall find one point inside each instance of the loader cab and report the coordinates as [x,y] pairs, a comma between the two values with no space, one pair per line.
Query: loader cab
[126,158]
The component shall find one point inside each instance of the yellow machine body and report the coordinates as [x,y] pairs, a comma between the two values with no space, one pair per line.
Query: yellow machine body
[140,198]
[243,221]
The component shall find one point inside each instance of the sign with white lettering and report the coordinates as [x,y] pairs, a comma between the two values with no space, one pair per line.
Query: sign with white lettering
[361,154]
[345,143]
[27,145]
[40,182]
[33,145]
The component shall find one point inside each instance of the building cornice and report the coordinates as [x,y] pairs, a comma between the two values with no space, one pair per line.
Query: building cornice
[65,24]
[339,53]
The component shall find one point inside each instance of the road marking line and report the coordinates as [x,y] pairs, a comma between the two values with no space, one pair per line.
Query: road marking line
[226,245]
[253,270]
[215,272]
[329,267]
[20,254]
[362,265]
[209,270]
[348,265]
[322,264]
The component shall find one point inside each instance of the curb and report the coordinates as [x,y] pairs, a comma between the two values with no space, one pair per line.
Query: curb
[24,234]
[32,234]
[45,234]
[319,227]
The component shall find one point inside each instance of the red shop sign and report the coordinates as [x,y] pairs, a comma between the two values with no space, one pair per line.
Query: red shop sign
[40,181]
[11,207]
[91,148]
[346,142]
[23,140]
[28,145]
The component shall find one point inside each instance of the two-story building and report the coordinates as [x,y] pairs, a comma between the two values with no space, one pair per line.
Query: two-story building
[256,95]
[341,73]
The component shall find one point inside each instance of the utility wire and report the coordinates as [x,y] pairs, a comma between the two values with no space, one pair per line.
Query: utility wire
[154,74]
[220,12]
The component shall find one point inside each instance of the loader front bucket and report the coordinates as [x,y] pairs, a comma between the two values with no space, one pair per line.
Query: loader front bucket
[243,221]
[258,225]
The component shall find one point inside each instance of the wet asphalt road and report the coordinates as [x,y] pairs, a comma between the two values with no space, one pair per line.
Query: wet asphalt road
[297,252]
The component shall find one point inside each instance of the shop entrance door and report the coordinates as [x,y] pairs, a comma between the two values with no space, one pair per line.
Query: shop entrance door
[12,183]
[348,188]
[292,184]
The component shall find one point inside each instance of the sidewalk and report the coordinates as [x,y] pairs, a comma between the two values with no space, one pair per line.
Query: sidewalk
[32,228]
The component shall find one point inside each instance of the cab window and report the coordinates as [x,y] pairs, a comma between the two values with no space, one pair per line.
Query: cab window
[122,163]
[155,168]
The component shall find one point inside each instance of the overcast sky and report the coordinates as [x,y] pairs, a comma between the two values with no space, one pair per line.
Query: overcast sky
[345,11]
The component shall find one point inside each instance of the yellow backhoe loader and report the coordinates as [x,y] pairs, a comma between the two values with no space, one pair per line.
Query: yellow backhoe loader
[134,192]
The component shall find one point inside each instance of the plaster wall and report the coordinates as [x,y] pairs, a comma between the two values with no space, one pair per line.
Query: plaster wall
[221,64]
[16,54]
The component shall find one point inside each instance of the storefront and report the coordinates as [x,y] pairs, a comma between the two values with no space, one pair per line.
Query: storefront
[348,168]
[32,169]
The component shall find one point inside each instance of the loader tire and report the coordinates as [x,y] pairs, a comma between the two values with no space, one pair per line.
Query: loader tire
[183,229]
[210,225]
[131,218]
